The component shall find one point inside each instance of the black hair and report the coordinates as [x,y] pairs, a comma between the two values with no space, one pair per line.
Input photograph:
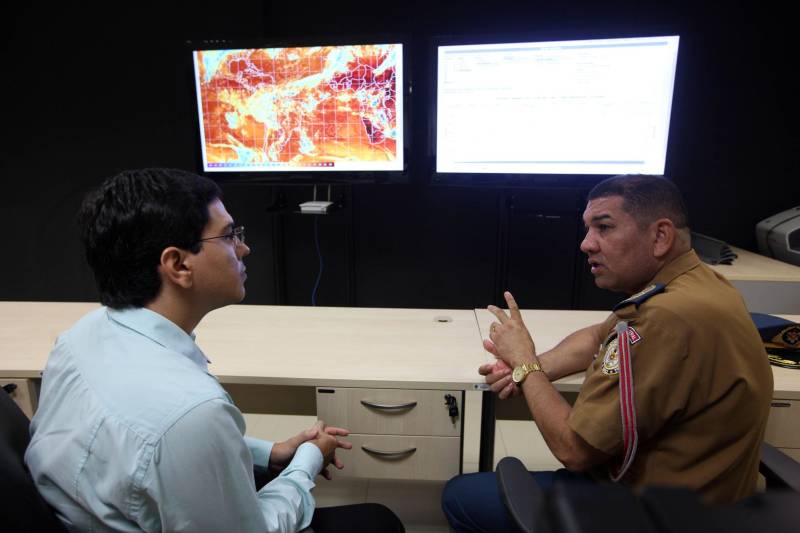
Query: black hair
[131,218]
[645,198]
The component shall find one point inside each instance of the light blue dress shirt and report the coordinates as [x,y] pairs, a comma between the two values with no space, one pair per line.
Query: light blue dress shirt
[132,433]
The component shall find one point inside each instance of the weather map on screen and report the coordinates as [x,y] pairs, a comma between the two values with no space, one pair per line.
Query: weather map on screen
[323,108]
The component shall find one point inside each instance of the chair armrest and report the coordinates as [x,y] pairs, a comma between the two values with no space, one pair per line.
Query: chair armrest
[521,495]
[780,470]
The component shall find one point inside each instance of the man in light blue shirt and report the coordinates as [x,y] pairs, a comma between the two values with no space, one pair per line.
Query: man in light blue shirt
[132,433]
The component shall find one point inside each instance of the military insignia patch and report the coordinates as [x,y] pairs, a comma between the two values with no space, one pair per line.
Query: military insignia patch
[633,335]
[791,336]
[611,359]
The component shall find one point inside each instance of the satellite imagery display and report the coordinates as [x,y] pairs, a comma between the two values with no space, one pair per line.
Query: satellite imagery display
[311,108]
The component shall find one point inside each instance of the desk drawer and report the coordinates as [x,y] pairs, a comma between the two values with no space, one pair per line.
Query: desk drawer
[390,411]
[401,457]
[783,426]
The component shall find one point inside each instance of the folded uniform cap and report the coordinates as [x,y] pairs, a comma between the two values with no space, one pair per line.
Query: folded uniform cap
[781,339]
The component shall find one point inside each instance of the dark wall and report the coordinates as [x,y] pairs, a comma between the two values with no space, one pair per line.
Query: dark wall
[90,92]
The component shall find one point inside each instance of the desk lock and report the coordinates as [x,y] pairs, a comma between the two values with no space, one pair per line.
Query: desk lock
[452,405]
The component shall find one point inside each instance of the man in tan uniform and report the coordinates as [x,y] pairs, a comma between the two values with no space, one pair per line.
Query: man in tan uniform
[678,385]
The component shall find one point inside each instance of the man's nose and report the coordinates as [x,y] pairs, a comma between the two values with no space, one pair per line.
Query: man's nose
[588,244]
[244,250]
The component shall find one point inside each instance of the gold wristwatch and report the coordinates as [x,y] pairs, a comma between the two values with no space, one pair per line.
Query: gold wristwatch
[522,371]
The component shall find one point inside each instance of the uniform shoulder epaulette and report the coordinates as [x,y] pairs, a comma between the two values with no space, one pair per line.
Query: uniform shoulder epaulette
[640,297]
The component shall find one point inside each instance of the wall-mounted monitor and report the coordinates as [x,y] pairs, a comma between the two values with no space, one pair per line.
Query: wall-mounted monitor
[598,106]
[306,111]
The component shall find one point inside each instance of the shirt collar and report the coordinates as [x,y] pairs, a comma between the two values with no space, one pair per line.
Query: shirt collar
[680,265]
[160,330]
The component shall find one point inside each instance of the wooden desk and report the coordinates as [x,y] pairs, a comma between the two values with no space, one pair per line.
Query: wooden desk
[28,331]
[749,266]
[357,355]
[767,285]
[415,350]
[400,349]
[548,327]
[277,345]
[345,347]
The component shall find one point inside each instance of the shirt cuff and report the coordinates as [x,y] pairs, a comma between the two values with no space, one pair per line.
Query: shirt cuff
[307,458]
[260,450]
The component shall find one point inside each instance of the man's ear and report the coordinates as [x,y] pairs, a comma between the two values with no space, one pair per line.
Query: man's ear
[174,267]
[664,235]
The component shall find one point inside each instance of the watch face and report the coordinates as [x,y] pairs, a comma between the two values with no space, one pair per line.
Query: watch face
[518,375]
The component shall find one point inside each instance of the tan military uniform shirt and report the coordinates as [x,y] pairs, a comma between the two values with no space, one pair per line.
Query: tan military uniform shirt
[702,386]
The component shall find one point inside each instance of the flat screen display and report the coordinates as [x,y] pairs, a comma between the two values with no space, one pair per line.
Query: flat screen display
[597,106]
[319,109]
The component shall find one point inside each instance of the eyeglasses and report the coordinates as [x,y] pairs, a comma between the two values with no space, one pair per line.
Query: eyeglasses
[235,236]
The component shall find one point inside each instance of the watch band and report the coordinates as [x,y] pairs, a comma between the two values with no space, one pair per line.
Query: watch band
[521,372]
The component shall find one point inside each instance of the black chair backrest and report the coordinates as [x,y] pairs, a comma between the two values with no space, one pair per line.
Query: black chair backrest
[779,470]
[513,478]
[23,508]
[607,508]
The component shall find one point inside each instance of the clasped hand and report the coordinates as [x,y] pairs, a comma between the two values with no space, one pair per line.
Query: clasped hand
[512,345]
[324,437]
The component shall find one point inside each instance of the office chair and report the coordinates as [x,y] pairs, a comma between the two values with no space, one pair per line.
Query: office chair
[602,508]
[22,508]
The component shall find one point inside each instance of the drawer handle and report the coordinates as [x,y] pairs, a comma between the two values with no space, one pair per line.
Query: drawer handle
[389,455]
[389,406]
[781,404]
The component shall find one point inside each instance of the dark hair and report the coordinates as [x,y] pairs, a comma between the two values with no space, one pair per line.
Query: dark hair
[645,198]
[131,218]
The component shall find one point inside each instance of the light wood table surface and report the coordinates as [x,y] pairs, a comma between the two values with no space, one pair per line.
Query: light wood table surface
[767,285]
[749,266]
[345,347]
[281,345]
[28,331]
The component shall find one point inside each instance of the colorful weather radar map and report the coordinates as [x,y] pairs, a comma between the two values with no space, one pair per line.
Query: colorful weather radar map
[318,108]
